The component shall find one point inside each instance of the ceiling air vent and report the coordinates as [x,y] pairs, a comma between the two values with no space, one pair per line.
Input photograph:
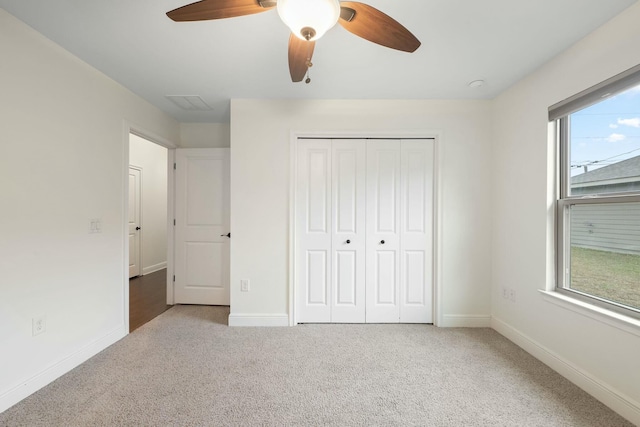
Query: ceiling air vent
[189,102]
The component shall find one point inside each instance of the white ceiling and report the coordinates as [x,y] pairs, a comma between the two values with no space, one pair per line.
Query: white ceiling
[133,42]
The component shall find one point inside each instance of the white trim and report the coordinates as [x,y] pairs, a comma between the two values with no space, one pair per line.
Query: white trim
[58,369]
[171,215]
[438,229]
[154,268]
[149,136]
[293,172]
[600,314]
[617,401]
[258,320]
[465,321]
[125,223]
[437,136]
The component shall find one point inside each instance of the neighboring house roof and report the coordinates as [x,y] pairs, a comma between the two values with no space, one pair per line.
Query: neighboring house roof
[615,173]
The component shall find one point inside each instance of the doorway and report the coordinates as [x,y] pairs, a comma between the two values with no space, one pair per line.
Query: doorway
[148,201]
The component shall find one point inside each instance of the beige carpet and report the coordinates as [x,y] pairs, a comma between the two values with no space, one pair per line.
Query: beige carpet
[186,368]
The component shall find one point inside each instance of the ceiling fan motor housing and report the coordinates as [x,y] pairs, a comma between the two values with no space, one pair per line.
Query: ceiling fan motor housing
[308,33]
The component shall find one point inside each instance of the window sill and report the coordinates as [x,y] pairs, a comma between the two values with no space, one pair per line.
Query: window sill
[611,318]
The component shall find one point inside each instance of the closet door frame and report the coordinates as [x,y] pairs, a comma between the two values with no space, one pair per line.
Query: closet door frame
[434,135]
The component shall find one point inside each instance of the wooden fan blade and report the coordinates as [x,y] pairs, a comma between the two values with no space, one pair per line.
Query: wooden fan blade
[371,24]
[219,9]
[300,54]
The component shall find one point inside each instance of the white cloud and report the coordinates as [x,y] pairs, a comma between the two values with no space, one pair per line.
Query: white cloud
[615,137]
[635,122]
[613,126]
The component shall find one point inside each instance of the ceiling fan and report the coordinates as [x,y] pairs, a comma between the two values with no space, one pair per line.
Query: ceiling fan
[308,20]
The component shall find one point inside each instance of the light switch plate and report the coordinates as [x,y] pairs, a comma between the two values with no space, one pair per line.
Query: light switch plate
[95,225]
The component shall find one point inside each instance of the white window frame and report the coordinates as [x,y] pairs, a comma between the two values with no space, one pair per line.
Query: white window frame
[560,114]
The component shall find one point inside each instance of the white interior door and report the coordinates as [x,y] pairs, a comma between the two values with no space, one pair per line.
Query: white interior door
[383,231]
[349,233]
[313,232]
[135,188]
[416,225]
[202,226]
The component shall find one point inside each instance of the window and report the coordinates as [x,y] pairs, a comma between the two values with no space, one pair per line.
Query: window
[598,207]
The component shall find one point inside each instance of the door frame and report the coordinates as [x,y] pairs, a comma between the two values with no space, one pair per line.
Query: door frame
[436,135]
[127,129]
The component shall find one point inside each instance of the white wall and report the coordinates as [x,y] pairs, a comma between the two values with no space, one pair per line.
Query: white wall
[603,359]
[63,162]
[260,143]
[152,160]
[204,135]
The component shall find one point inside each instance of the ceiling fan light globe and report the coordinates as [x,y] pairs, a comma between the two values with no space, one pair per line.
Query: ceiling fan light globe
[320,15]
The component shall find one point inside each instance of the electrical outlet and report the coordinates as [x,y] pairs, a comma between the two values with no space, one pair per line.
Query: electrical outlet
[244,285]
[38,325]
[512,295]
[505,293]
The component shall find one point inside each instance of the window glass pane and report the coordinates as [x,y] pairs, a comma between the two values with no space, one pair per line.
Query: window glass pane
[605,146]
[605,251]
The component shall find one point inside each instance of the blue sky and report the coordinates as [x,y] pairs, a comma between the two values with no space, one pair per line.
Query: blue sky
[607,132]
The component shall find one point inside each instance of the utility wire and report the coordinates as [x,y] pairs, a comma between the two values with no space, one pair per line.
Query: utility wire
[599,162]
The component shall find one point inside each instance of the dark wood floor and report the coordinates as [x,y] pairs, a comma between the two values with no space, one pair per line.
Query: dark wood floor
[147,298]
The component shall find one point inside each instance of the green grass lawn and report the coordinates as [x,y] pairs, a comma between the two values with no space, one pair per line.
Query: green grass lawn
[609,275]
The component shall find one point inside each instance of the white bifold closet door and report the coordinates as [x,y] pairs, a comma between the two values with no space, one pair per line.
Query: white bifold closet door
[399,254]
[330,230]
[364,231]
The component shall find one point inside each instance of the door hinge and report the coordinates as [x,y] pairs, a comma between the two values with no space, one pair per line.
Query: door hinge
[174,166]
[174,221]
[174,277]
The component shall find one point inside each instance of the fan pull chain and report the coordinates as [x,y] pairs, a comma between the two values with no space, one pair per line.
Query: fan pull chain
[309,65]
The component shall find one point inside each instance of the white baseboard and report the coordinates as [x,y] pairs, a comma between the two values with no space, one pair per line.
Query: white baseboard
[465,321]
[623,405]
[258,320]
[154,268]
[35,383]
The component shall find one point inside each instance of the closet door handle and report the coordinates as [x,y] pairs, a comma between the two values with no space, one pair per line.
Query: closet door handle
[348,241]
[382,242]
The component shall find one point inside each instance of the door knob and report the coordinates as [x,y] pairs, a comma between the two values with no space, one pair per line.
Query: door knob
[137,228]
[382,242]
[228,235]
[348,241]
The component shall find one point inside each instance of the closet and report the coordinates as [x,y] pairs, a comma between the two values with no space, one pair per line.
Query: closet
[364,231]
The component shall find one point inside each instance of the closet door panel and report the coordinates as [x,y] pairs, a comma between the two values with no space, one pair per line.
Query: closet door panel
[345,279]
[348,159]
[316,280]
[416,236]
[313,232]
[383,224]
[385,273]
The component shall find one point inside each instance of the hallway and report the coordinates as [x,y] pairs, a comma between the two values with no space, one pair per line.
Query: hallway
[147,298]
